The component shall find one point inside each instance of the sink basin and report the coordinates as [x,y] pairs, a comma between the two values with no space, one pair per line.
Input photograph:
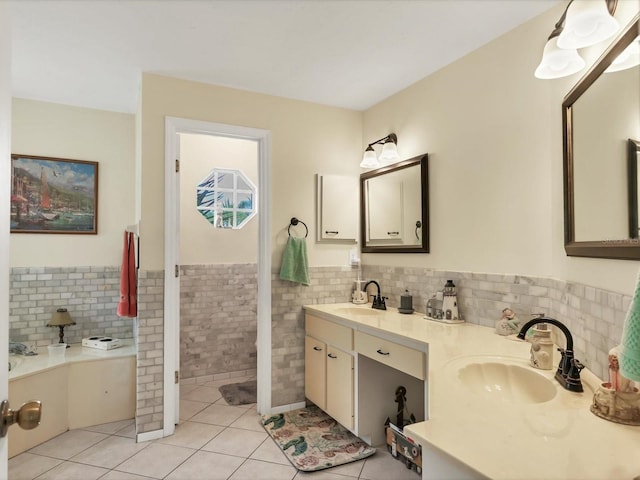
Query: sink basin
[505,382]
[355,311]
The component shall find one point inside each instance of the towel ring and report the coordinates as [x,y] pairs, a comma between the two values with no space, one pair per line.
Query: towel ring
[294,222]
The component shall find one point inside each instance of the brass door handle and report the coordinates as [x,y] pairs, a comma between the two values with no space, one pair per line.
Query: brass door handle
[28,416]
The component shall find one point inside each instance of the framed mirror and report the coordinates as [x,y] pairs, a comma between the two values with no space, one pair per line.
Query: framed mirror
[599,115]
[394,208]
[633,157]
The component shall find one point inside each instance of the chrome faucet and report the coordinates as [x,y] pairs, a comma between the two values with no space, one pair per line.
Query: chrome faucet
[568,373]
[378,300]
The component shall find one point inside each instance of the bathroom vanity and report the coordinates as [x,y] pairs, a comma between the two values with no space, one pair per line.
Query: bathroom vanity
[482,411]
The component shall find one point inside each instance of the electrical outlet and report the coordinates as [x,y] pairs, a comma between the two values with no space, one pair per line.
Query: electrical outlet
[354,259]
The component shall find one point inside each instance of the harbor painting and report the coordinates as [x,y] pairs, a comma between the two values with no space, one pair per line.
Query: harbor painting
[53,195]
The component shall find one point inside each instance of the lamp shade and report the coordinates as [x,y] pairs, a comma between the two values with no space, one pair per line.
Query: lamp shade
[389,152]
[60,317]
[557,63]
[369,159]
[628,58]
[587,22]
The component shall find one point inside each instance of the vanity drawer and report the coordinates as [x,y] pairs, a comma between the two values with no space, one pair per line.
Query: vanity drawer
[402,358]
[337,335]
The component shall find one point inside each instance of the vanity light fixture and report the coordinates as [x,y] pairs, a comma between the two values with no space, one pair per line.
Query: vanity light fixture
[582,24]
[630,57]
[588,22]
[389,153]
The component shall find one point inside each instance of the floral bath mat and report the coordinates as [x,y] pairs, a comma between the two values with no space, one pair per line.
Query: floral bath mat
[312,440]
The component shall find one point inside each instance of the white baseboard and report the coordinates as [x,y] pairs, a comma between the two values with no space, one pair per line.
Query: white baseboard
[287,408]
[146,436]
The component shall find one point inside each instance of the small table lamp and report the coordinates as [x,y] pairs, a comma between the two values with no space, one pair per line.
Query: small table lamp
[61,318]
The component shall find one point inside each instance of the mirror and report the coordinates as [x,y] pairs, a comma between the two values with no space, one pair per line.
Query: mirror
[394,208]
[633,157]
[599,115]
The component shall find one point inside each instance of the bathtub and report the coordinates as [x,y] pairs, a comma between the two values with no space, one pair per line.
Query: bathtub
[87,387]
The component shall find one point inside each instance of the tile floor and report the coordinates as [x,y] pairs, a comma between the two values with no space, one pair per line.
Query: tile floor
[214,441]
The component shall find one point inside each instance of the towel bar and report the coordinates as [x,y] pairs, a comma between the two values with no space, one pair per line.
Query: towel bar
[294,221]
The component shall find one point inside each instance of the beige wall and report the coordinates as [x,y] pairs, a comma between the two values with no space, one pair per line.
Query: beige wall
[494,137]
[305,139]
[200,242]
[54,130]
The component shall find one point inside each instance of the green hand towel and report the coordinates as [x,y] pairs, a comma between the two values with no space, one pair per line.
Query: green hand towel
[630,345]
[295,266]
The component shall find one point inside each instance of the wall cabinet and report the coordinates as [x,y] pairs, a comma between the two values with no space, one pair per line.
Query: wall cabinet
[329,369]
[337,208]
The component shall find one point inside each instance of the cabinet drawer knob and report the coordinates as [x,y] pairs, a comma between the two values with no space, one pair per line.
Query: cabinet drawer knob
[381,352]
[317,349]
[331,355]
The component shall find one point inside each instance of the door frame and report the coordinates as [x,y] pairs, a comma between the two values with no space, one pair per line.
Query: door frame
[174,126]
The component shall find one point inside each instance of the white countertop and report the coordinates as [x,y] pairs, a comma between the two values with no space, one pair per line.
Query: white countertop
[31,365]
[557,439]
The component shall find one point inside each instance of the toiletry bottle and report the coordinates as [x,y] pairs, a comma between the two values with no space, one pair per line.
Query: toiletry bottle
[541,347]
[406,303]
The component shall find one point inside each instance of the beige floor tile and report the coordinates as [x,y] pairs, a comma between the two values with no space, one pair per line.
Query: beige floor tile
[382,466]
[27,466]
[202,394]
[218,415]
[268,451]
[249,421]
[255,469]
[110,452]
[192,435]
[352,469]
[110,428]
[115,475]
[188,408]
[187,387]
[235,441]
[68,444]
[327,474]
[129,431]
[73,471]
[206,466]
[156,461]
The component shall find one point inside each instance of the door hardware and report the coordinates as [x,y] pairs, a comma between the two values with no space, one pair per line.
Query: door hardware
[28,416]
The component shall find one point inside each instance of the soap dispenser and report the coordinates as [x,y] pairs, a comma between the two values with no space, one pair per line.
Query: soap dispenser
[542,347]
[406,303]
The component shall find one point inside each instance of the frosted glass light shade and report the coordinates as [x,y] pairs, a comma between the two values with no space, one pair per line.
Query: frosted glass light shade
[628,58]
[369,159]
[557,63]
[389,152]
[587,22]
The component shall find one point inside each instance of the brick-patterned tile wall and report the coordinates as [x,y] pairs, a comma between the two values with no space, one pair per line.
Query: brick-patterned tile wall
[328,285]
[218,319]
[90,294]
[594,316]
[150,338]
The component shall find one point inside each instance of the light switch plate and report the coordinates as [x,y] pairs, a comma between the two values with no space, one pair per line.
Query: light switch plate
[354,259]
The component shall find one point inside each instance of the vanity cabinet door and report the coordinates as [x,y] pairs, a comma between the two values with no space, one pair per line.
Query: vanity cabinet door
[315,371]
[340,386]
[337,208]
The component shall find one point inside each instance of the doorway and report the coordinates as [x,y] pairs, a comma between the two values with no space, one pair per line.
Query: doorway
[174,127]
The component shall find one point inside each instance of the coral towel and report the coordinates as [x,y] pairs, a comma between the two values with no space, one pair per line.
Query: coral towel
[128,306]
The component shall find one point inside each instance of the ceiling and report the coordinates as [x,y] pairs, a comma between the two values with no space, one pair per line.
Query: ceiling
[346,53]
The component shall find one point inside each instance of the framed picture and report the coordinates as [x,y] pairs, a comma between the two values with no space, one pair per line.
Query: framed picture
[53,195]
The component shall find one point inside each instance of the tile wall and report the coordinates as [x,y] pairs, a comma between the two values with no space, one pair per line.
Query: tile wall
[594,316]
[218,319]
[90,294]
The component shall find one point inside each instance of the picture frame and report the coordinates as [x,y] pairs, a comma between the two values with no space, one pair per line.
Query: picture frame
[53,195]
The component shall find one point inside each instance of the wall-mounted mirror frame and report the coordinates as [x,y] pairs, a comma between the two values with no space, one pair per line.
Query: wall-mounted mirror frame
[423,245]
[633,157]
[628,249]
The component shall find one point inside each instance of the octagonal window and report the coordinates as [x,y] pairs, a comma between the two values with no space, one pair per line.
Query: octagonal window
[226,198]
